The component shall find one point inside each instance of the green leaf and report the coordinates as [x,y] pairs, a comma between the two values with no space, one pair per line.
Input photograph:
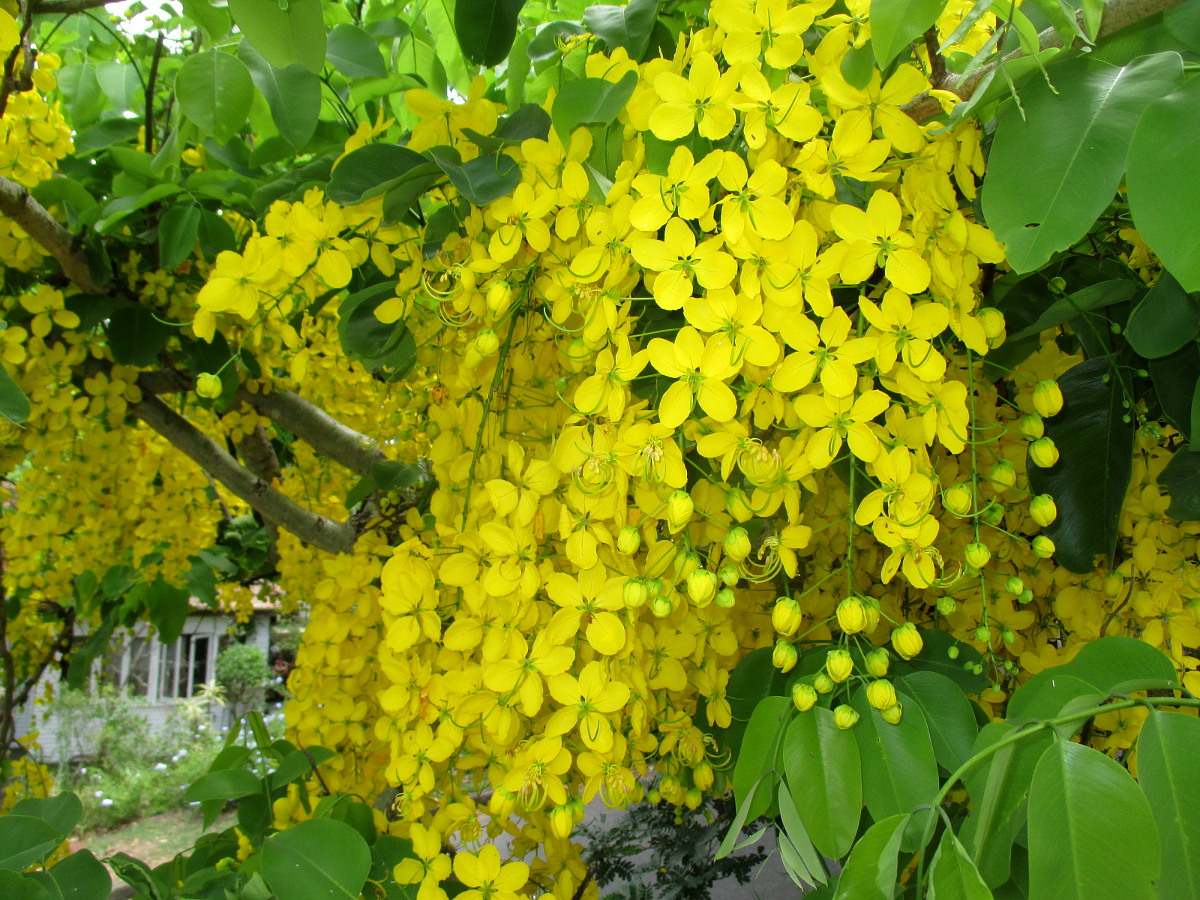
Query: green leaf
[952,726]
[899,770]
[858,65]
[135,336]
[318,859]
[952,875]
[870,872]
[215,92]
[284,33]
[760,750]
[545,41]
[764,784]
[1166,319]
[62,812]
[1168,754]
[1094,436]
[796,847]
[178,230]
[1057,160]
[299,764]
[895,24]
[999,789]
[1175,378]
[821,766]
[15,887]
[371,170]
[293,95]
[1047,694]
[25,841]
[1164,181]
[355,53]
[78,877]
[486,28]
[1183,22]
[167,607]
[624,26]
[1095,296]
[223,784]
[136,874]
[1091,833]
[587,101]
[1181,479]
[14,405]
[935,657]
[481,180]
[214,20]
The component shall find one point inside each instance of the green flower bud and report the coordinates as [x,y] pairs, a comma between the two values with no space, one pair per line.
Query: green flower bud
[804,696]
[845,717]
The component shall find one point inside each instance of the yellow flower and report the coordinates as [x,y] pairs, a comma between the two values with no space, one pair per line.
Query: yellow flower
[702,101]
[771,28]
[841,418]
[587,703]
[785,110]
[520,217]
[486,878]
[871,235]
[682,192]
[590,599]
[678,259]
[702,369]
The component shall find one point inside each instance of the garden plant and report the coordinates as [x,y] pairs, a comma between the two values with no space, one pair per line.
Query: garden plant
[784,407]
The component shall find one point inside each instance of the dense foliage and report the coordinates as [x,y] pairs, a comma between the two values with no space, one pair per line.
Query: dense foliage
[645,402]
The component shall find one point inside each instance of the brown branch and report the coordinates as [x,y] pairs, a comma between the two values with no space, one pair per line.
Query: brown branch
[149,122]
[1118,15]
[321,532]
[317,428]
[65,7]
[19,205]
[255,448]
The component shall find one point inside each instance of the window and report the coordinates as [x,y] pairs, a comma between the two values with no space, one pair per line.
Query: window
[185,666]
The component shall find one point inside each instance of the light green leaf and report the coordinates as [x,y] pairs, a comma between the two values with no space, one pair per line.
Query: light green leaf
[320,859]
[13,886]
[178,230]
[355,53]
[292,32]
[293,95]
[224,784]
[215,92]
[795,844]
[25,841]
[1168,753]
[1053,170]
[14,405]
[1164,181]
[895,24]
[952,875]
[760,749]
[899,770]
[870,872]
[623,26]
[214,20]
[1091,833]
[588,101]
[78,877]
[952,726]
[62,812]
[1166,319]
[821,765]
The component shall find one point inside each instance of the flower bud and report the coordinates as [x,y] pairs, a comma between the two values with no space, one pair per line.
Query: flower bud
[947,605]
[634,593]
[737,505]
[736,543]
[881,694]
[1014,585]
[786,616]
[893,714]
[499,296]
[662,606]
[977,555]
[1043,510]
[693,798]
[957,499]
[679,510]
[804,696]
[208,385]
[1025,596]
[845,717]
[1043,547]
[991,320]
[851,616]
[1047,398]
[725,599]
[992,514]
[487,342]
[823,683]
[503,803]
[952,651]
[1043,452]
[728,575]
[784,656]
[702,587]
[982,634]
[629,540]
[562,823]
[1032,426]
[839,664]
[906,641]
[877,662]
[1002,474]
[702,776]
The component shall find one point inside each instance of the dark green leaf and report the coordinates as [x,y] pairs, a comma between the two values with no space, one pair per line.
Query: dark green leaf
[588,101]
[370,170]
[355,53]
[480,180]
[137,874]
[1168,753]
[215,92]
[292,93]
[1057,160]
[178,230]
[1183,22]
[953,876]
[1091,833]
[292,32]
[62,812]
[899,770]
[224,784]
[545,42]
[529,121]
[624,26]
[26,841]
[318,859]
[78,877]
[1094,436]
[167,607]
[870,872]
[965,668]
[895,24]
[858,65]
[952,726]
[821,765]
[395,476]
[1164,181]
[1175,378]
[135,336]
[299,764]
[486,29]
[1166,320]
[1072,306]
[1181,479]
[15,887]
[14,405]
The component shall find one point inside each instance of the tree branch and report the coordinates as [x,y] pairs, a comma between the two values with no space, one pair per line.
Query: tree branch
[328,535]
[19,205]
[1118,15]
[317,428]
[64,7]
[255,448]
